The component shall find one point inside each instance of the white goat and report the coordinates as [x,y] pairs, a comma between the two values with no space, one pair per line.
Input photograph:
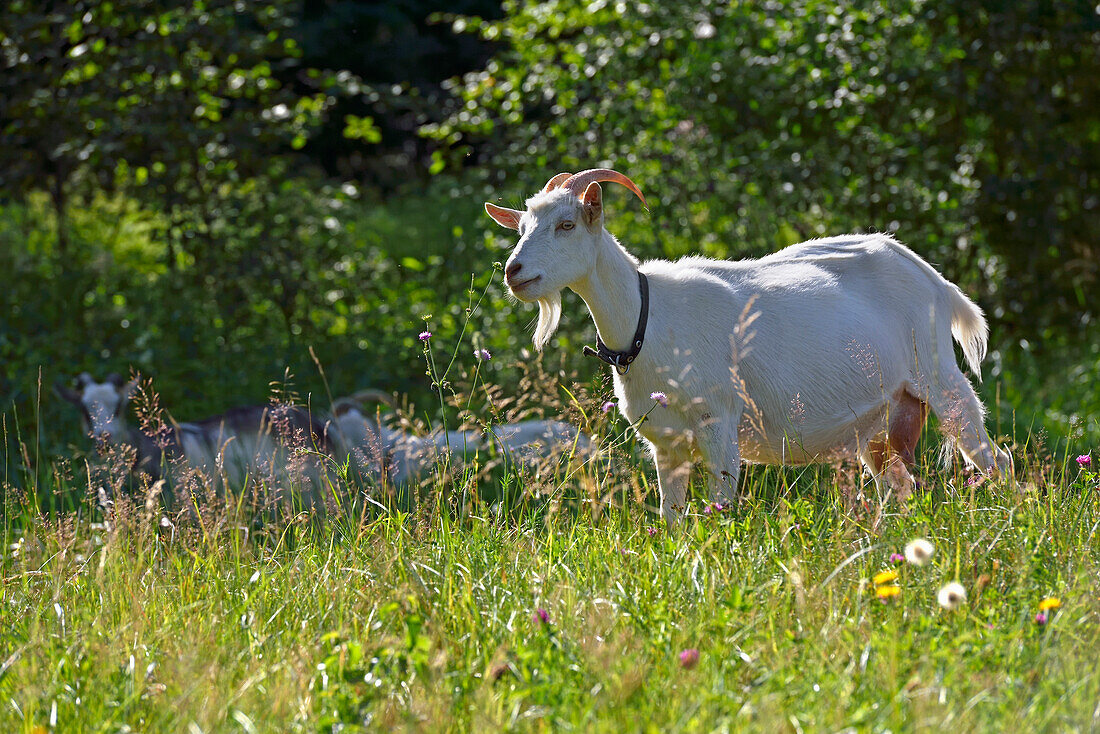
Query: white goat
[830,348]
[376,448]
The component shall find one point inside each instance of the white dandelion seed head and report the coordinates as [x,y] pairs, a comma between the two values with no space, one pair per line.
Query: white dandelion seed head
[919,551]
[952,595]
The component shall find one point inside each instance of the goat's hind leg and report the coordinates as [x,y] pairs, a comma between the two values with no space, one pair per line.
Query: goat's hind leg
[961,416]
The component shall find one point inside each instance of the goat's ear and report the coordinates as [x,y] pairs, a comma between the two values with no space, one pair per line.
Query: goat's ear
[66,393]
[592,200]
[504,217]
[127,390]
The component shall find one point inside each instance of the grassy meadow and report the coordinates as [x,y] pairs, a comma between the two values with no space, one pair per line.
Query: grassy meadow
[490,598]
[557,601]
[245,204]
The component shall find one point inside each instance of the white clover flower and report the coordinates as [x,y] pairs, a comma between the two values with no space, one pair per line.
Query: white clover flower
[919,551]
[952,595]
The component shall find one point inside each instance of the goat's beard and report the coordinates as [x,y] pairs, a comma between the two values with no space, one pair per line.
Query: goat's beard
[549,315]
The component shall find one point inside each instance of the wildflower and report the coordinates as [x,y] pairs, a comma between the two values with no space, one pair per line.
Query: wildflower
[919,551]
[1051,602]
[1040,618]
[1084,460]
[541,615]
[707,510]
[688,658]
[887,592]
[884,577]
[425,336]
[660,397]
[608,406]
[482,354]
[896,558]
[651,531]
[952,595]
[976,479]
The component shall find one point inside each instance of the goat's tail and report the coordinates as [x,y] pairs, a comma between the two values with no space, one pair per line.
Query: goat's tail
[968,324]
[969,328]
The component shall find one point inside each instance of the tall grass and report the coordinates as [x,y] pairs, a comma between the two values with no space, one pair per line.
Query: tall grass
[557,601]
[492,597]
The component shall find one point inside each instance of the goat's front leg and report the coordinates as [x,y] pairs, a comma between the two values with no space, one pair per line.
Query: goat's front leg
[673,472]
[717,440]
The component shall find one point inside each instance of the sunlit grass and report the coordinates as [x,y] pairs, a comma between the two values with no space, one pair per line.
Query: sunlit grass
[430,618]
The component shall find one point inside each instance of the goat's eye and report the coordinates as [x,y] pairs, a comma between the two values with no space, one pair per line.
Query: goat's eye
[566,225]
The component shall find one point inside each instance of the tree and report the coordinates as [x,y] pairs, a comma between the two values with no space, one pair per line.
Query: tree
[965,127]
[168,100]
[402,56]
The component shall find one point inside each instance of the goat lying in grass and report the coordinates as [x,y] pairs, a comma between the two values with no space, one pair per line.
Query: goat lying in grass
[379,450]
[243,444]
[830,348]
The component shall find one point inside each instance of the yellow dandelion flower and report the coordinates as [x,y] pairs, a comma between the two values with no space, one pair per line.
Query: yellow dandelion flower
[1051,602]
[884,577]
[887,592]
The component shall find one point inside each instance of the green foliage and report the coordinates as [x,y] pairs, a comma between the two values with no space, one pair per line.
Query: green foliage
[752,125]
[300,271]
[1027,77]
[400,58]
[168,103]
[1053,388]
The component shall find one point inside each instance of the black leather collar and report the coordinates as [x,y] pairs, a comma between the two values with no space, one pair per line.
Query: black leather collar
[621,361]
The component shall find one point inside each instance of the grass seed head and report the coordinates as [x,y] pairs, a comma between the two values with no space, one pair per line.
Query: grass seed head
[919,551]
[952,595]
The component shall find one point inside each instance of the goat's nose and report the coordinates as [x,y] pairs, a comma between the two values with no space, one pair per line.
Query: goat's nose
[511,270]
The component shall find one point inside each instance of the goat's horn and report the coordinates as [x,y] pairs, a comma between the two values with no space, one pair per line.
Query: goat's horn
[556,182]
[578,182]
